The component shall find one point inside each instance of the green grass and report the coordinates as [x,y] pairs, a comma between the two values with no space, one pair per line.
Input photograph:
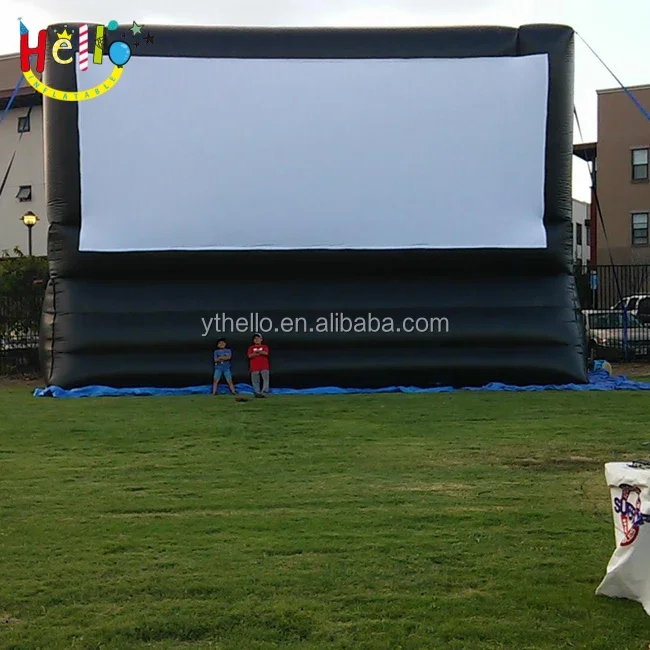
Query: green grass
[452,521]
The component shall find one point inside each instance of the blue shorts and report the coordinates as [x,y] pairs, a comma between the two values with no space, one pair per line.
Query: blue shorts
[222,372]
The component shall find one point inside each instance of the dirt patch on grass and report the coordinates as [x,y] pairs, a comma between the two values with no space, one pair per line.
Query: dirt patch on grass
[570,463]
[5,619]
[469,592]
[631,369]
[432,487]
[475,509]
[28,383]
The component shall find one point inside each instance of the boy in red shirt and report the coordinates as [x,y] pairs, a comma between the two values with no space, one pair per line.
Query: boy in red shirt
[258,355]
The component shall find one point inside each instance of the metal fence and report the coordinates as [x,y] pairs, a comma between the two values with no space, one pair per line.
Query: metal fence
[616,303]
[20,313]
[603,287]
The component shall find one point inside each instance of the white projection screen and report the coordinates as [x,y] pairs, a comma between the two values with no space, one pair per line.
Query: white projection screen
[281,154]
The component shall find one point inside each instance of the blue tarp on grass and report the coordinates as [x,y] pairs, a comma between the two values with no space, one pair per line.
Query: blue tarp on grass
[599,380]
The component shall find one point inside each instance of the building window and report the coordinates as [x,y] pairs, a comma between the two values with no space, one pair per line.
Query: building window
[24,193]
[579,234]
[23,124]
[588,231]
[640,229]
[640,164]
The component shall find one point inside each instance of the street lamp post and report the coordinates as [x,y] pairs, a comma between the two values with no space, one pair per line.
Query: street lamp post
[30,220]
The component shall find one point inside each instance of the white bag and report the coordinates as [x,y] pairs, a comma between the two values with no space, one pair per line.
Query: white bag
[628,571]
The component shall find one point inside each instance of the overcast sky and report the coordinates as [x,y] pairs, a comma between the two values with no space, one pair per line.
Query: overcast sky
[618,30]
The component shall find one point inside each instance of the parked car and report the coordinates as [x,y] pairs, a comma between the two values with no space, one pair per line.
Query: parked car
[613,333]
[638,306]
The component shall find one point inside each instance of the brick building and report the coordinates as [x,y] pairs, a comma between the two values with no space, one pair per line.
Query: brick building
[621,158]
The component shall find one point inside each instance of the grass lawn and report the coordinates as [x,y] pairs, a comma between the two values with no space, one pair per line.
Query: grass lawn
[456,521]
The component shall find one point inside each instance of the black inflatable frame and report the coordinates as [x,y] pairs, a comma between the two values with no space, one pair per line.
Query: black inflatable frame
[134,319]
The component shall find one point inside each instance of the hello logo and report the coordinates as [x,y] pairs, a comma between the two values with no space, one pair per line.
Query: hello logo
[119,54]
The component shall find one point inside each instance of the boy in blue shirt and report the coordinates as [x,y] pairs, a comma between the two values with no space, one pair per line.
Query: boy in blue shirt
[222,356]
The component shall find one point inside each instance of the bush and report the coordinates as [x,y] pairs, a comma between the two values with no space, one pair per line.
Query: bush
[22,285]
[20,273]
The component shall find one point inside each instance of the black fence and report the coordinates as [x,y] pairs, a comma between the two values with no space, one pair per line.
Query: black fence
[20,313]
[23,279]
[616,303]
